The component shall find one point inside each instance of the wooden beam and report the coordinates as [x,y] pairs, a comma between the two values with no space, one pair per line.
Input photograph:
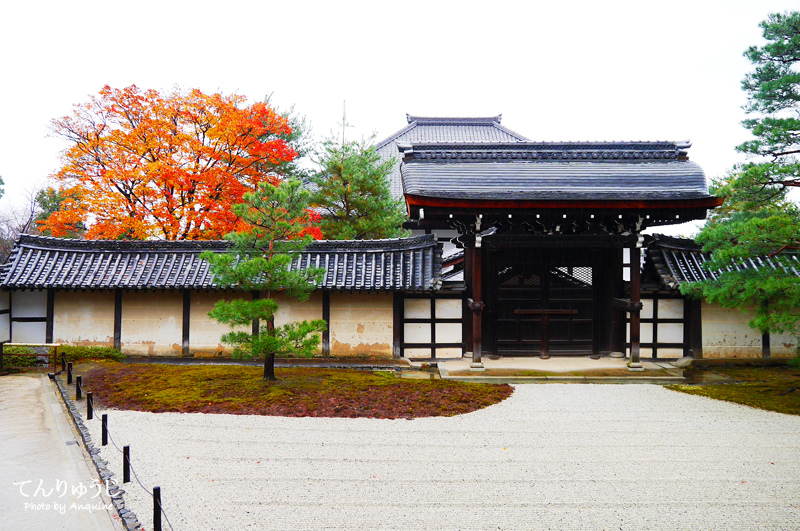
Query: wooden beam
[477,304]
[433,326]
[187,314]
[692,328]
[466,313]
[326,316]
[51,304]
[398,324]
[118,319]
[636,294]
[627,305]
[487,205]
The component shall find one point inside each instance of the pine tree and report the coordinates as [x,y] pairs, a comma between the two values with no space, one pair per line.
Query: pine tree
[351,193]
[759,217]
[280,225]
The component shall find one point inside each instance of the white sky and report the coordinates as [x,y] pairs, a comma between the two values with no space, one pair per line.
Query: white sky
[556,70]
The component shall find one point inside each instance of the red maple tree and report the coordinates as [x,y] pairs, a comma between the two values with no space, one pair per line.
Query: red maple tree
[145,165]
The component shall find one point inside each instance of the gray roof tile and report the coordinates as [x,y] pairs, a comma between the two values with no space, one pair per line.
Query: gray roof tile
[442,129]
[37,262]
[557,171]
[679,261]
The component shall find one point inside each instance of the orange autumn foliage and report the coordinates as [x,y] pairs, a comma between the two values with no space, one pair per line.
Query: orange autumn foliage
[145,165]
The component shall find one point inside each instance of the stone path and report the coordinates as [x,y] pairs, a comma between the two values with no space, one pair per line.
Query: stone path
[46,481]
[550,457]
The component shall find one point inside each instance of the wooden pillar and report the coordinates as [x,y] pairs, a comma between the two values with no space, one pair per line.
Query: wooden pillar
[326,316]
[476,305]
[398,319]
[187,314]
[433,325]
[617,317]
[465,309]
[692,328]
[636,296]
[118,319]
[51,305]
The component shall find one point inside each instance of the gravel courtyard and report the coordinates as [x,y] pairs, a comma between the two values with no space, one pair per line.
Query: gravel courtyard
[550,457]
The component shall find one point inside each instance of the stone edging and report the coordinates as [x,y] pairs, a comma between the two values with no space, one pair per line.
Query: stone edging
[127,516]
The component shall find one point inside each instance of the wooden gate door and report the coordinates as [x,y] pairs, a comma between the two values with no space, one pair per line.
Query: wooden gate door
[544,304]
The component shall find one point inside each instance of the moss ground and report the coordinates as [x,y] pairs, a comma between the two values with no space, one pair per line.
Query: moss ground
[774,388]
[299,392]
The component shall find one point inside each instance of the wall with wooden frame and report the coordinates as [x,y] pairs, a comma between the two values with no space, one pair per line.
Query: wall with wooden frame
[663,326]
[430,325]
[28,316]
[176,323]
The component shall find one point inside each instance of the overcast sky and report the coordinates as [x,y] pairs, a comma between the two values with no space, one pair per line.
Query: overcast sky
[566,70]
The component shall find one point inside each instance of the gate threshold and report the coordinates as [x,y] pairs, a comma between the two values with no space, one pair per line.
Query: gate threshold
[561,370]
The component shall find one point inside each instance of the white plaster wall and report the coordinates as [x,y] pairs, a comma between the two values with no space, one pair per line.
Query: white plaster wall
[670,333]
[84,318]
[448,308]
[291,310]
[5,327]
[361,324]
[205,332]
[152,323]
[417,308]
[29,303]
[647,309]
[726,335]
[5,319]
[29,332]
[448,332]
[670,309]
[417,333]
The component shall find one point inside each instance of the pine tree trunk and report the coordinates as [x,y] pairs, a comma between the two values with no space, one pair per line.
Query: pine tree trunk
[269,359]
[269,367]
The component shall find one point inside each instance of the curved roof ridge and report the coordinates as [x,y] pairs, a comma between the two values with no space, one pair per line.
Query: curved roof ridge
[52,243]
[485,120]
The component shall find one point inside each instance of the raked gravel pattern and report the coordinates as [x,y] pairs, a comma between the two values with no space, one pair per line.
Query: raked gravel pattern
[549,457]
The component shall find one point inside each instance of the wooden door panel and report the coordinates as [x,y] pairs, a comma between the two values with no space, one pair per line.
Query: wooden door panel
[537,294]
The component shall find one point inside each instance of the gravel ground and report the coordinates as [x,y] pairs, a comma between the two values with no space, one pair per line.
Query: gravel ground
[549,457]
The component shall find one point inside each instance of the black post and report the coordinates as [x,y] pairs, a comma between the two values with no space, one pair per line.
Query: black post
[89,406]
[69,373]
[126,464]
[326,316]
[63,362]
[187,316]
[104,431]
[78,384]
[636,297]
[156,508]
[765,346]
[118,319]
[2,345]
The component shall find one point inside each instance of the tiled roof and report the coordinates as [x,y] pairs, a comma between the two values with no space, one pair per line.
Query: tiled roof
[555,170]
[678,261]
[36,262]
[442,129]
